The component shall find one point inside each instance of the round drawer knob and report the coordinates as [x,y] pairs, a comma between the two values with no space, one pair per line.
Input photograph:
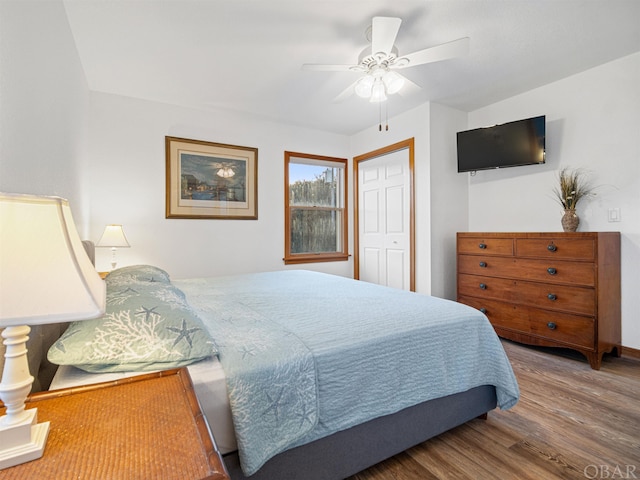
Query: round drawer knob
[483,264]
[483,310]
[483,286]
[552,297]
[482,246]
[551,326]
[551,247]
[551,271]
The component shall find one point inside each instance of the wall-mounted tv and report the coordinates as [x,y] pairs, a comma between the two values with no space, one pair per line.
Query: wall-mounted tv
[507,145]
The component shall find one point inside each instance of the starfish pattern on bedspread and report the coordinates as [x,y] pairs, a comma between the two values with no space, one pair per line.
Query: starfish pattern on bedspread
[275,403]
[183,332]
[147,312]
[246,350]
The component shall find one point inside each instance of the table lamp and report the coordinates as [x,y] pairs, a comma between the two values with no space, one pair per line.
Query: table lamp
[113,237]
[45,277]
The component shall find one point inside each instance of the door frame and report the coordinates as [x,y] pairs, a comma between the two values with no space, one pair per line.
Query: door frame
[405,144]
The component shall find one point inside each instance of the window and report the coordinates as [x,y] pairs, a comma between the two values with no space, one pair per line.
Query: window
[315,208]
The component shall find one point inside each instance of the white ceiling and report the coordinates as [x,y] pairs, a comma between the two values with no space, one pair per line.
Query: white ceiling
[245,55]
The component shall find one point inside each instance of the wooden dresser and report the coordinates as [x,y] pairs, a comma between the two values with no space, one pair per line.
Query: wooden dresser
[547,289]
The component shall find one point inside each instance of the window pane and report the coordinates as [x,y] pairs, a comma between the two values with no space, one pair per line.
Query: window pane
[313,185]
[315,231]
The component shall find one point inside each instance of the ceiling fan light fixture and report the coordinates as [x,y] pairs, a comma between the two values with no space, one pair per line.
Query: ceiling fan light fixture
[393,82]
[364,86]
[378,93]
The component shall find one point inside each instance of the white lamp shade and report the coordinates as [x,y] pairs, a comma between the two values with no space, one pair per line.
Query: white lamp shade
[363,86]
[378,92]
[393,82]
[45,273]
[113,236]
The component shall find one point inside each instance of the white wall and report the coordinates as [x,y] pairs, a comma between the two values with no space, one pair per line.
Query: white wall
[449,198]
[127,183]
[414,123]
[43,104]
[593,121]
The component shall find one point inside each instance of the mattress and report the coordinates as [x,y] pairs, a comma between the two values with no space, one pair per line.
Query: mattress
[209,384]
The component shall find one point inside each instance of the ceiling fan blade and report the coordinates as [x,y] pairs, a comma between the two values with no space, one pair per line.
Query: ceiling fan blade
[317,67]
[456,48]
[383,34]
[409,87]
[346,93]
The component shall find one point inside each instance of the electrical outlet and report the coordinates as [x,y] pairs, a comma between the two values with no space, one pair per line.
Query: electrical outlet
[614,215]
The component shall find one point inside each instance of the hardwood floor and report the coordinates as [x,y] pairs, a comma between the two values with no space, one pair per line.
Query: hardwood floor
[571,422]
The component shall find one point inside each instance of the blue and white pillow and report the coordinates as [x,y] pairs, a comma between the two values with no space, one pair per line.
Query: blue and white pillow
[148,325]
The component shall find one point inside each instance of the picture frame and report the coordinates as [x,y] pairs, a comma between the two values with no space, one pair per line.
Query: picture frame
[207,180]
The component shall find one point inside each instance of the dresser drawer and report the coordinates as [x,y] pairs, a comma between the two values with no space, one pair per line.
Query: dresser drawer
[563,328]
[488,288]
[557,248]
[562,298]
[547,271]
[486,246]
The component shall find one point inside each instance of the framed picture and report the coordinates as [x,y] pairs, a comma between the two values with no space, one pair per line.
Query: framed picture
[211,180]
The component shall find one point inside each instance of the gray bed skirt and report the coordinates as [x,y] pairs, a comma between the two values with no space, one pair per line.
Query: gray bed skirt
[350,451]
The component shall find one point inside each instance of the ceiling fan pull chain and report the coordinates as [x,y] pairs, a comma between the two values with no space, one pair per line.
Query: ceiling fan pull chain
[386,115]
[379,116]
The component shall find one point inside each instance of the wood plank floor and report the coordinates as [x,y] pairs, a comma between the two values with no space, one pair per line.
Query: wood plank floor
[571,422]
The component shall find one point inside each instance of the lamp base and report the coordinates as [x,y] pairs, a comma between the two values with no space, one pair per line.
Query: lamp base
[23,442]
[21,437]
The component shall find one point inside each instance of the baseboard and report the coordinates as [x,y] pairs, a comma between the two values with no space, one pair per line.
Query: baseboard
[630,352]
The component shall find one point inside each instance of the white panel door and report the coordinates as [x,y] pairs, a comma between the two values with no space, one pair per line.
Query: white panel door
[383,227]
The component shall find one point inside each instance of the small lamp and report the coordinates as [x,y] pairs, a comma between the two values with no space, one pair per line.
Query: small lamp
[113,237]
[45,277]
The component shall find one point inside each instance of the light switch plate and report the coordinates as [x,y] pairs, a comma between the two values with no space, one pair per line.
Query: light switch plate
[614,215]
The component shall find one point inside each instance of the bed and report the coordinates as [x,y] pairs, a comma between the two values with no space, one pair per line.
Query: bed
[300,374]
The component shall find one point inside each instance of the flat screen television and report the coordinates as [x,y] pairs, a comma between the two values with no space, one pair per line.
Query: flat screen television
[507,145]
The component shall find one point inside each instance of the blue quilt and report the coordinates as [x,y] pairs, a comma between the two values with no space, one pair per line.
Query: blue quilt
[307,354]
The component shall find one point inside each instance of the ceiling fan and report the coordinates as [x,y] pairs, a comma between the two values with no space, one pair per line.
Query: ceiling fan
[379,64]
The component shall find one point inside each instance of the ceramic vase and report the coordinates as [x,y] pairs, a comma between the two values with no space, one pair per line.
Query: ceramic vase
[570,221]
